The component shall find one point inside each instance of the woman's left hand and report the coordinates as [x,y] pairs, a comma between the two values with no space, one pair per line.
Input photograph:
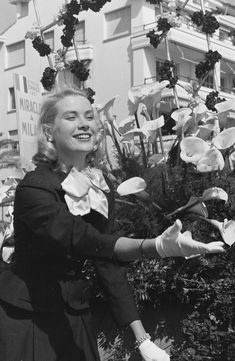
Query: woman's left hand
[151,352]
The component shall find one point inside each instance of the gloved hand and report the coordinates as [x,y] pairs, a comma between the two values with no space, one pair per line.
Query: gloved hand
[151,352]
[173,243]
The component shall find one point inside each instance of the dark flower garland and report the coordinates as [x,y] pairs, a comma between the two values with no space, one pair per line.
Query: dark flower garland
[207,21]
[154,2]
[197,18]
[79,69]
[213,98]
[211,58]
[163,25]
[39,45]
[165,73]
[90,93]
[73,8]
[154,38]
[48,78]
[94,5]
[68,19]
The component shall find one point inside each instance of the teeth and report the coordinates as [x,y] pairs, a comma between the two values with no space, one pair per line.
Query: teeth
[83,136]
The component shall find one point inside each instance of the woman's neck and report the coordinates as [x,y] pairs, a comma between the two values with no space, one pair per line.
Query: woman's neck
[79,162]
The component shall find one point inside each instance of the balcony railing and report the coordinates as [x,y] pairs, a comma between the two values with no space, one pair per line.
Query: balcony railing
[187,79]
[190,26]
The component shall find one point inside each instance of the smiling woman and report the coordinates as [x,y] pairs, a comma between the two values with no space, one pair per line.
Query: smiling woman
[63,215]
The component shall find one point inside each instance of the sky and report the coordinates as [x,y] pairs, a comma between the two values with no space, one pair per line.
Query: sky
[7,14]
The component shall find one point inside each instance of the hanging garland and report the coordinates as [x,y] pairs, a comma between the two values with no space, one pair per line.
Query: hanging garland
[212,99]
[42,48]
[67,17]
[79,69]
[164,24]
[207,22]
[204,67]
[48,78]
[166,73]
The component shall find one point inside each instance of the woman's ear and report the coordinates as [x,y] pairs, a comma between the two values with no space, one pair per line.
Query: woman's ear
[47,129]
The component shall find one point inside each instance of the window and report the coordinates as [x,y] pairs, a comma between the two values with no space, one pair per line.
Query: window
[49,38]
[223,34]
[209,82]
[233,85]
[16,54]
[79,35]
[13,134]
[222,84]
[11,99]
[118,23]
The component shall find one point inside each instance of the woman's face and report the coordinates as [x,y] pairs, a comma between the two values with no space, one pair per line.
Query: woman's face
[75,128]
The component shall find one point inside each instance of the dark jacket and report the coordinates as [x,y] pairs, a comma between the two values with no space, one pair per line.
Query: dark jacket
[51,246]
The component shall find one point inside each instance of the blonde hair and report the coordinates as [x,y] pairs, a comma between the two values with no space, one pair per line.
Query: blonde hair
[46,149]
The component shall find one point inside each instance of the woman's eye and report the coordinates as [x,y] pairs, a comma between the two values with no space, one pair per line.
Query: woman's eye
[71,118]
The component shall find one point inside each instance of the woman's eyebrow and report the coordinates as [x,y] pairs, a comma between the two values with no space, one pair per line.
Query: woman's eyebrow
[89,112]
[70,112]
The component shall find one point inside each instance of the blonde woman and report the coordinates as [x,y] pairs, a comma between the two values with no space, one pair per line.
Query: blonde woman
[63,215]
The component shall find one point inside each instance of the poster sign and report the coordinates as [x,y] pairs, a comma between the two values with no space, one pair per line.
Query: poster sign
[28,102]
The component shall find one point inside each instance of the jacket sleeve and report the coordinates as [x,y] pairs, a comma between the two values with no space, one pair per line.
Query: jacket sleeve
[39,214]
[113,278]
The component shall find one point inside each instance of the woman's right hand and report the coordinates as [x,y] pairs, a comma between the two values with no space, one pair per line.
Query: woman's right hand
[173,243]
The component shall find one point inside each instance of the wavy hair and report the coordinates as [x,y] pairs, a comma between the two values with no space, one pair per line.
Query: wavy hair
[46,149]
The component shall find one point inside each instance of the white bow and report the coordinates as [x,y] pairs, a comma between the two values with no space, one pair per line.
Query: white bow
[84,190]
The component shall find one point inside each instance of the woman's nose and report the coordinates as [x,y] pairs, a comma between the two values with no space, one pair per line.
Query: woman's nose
[83,123]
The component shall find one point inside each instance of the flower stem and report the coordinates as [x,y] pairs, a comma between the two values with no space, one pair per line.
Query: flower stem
[141,142]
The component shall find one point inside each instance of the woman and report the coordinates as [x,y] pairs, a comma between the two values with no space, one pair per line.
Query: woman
[62,216]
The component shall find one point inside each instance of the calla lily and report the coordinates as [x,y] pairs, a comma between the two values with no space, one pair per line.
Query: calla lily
[214,193]
[181,116]
[131,134]
[131,186]
[107,109]
[150,128]
[207,131]
[126,124]
[199,208]
[149,94]
[193,149]
[225,106]
[212,160]
[200,111]
[226,228]
[225,139]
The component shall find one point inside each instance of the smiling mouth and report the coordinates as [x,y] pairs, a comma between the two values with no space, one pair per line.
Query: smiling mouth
[83,136]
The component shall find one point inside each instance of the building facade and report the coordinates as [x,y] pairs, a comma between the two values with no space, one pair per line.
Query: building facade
[119,53]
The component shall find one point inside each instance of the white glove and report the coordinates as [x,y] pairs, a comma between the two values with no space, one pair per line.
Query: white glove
[151,352]
[173,243]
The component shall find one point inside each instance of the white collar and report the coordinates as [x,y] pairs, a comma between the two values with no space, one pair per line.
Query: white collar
[85,191]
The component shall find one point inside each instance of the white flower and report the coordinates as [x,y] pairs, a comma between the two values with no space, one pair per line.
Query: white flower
[131,186]
[33,33]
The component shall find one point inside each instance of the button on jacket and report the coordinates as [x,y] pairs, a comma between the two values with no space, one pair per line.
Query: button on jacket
[51,246]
